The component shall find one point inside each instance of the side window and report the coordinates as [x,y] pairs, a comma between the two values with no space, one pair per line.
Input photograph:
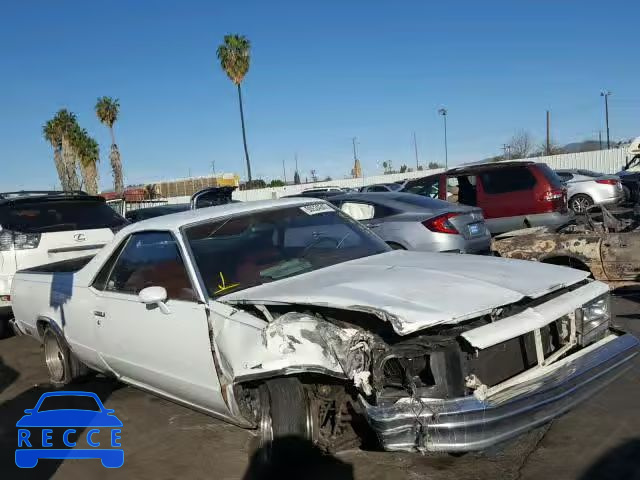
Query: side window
[505,180]
[429,189]
[378,188]
[358,211]
[100,282]
[151,259]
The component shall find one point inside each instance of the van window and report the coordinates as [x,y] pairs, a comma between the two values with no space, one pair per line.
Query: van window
[508,179]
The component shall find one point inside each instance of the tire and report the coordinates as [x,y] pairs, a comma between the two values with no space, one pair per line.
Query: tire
[580,202]
[62,364]
[285,412]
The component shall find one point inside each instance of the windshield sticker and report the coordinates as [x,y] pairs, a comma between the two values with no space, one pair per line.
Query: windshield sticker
[223,287]
[316,208]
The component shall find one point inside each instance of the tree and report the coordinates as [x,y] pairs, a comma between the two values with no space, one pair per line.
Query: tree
[432,165]
[296,178]
[52,133]
[314,175]
[403,168]
[520,145]
[234,56]
[276,183]
[87,153]
[421,168]
[327,179]
[67,124]
[107,110]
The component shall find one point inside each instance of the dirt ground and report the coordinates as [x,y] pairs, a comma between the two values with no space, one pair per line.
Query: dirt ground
[161,440]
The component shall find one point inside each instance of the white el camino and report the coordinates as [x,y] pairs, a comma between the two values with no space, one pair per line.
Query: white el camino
[289,318]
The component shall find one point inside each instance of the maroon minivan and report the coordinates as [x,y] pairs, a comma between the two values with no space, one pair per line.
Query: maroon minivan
[512,195]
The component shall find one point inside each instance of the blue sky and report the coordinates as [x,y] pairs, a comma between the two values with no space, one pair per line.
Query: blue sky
[321,73]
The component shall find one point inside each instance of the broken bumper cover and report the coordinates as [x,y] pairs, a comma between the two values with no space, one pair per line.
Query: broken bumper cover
[466,424]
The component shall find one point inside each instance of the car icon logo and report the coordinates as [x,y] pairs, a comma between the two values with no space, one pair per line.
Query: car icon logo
[79,237]
[93,425]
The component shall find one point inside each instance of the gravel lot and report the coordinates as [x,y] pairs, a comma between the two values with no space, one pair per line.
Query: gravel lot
[598,440]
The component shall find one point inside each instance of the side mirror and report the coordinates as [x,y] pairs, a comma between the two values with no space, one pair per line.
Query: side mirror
[154,296]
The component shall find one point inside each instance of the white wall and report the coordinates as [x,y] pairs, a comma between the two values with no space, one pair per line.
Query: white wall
[605,161]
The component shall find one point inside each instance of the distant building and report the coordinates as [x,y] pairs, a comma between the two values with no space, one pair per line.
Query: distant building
[184,187]
[356,171]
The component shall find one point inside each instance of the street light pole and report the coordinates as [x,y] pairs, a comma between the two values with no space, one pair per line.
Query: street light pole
[605,94]
[443,112]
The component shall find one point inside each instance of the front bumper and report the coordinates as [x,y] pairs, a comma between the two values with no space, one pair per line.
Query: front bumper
[466,423]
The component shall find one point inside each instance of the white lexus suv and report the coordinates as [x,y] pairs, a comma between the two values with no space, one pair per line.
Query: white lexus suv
[41,227]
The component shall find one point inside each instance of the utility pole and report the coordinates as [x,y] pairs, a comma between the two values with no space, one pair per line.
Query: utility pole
[443,112]
[355,153]
[605,94]
[415,147]
[507,153]
[548,133]
[600,138]
[284,172]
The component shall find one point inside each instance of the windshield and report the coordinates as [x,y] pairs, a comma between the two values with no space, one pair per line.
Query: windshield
[260,247]
[59,216]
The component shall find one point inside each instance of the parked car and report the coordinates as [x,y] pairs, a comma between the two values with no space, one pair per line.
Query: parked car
[208,197]
[39,227]
[383,187]
[512,195]
[586,188]
[411,222]
[604,244]
[315,193]
[288,317]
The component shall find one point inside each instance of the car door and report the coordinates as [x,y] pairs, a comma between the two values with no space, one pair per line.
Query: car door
[165,352]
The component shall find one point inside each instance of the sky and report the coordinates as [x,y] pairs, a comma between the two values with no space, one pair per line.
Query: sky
[321,73]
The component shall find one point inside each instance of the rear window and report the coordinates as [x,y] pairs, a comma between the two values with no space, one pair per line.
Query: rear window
[554,180]
[59,216]
[509,179]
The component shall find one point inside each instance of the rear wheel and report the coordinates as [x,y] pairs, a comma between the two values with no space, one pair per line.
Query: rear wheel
[61,363]
[580,202]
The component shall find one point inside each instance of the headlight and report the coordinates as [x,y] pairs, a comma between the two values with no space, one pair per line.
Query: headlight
[593,319]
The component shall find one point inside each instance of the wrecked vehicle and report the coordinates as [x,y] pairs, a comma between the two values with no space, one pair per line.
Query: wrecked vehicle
[599,242]
[290,318]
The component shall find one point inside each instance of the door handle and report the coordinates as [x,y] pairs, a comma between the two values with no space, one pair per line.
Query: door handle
[98,313]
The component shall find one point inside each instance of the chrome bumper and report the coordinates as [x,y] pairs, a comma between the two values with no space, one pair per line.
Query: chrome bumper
[466,423]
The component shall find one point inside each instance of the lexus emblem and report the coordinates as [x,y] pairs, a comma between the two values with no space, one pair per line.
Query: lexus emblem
[79,237]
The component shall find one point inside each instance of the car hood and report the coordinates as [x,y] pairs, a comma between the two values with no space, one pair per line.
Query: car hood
[415,290]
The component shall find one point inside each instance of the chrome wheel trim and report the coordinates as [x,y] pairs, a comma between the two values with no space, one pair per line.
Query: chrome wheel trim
[580,204]
[54,358]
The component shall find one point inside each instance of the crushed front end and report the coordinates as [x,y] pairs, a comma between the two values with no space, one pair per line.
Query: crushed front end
[470,386]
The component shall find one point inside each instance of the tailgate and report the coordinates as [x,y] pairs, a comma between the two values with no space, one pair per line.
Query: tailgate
[58,246]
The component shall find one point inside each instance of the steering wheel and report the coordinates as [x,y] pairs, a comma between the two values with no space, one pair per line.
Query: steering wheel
[317,242]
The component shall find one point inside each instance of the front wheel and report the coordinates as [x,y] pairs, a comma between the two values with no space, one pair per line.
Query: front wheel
[285,411]
[580,202]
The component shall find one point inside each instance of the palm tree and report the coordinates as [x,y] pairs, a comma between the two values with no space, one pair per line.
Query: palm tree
[234,59]
[66,123]
[107,110]
[88,154]
[51,133]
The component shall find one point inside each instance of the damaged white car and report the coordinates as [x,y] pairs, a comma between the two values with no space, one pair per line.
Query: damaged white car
[290,318]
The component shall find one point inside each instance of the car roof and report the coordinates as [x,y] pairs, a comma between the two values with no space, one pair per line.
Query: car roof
[26,196]
[394,199]
[174,221]
[480,167]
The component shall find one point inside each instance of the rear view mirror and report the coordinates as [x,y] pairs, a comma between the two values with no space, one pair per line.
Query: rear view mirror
[358,211]
[154,296]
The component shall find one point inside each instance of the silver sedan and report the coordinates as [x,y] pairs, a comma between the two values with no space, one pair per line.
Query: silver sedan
[586,188]
[413,222]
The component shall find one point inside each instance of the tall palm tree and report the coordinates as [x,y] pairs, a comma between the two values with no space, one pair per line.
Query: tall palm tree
[67,123]
[51,133]
[88,154]
[107,110]
[234,56]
